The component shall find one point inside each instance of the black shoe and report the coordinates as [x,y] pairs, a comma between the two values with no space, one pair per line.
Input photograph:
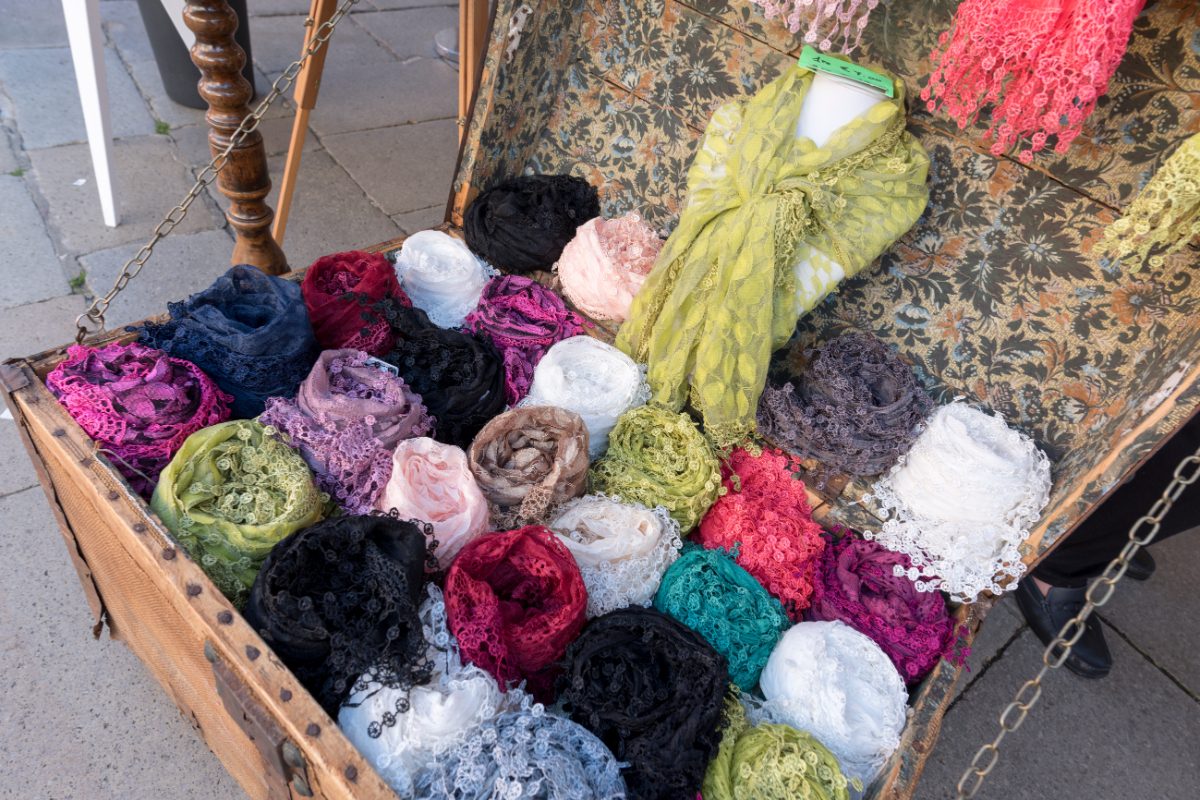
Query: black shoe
[1141,566]
[1090,657]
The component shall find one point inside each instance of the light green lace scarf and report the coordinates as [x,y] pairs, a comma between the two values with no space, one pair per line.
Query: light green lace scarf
[724,293]
[229,494]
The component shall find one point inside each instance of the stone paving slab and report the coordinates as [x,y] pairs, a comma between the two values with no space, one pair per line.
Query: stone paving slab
[23,29]
[31,77]
[30,329]
[421,160]
[16,470]
[1131,735]
[1160,615]
[149,83]
[409,32]
[150,181]
[8,154]
[277,41]
[122,22]
[182,264]
[387,5]
[415,91]
[81,718]
[1000,628]
[192,141]
[29,268]
[420,220]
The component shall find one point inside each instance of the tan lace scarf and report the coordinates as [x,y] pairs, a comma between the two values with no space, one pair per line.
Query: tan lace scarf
[724,292]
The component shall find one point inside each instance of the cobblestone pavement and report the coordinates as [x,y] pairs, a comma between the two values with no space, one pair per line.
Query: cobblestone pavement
[83,719]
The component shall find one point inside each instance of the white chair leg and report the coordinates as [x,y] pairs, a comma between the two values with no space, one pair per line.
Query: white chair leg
[87,52]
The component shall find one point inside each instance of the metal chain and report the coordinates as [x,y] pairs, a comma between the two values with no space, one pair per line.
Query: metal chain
[1056,654]
[92,320]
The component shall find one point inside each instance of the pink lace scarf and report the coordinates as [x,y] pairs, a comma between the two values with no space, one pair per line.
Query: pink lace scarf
[137,402]
[346,419]
[1040,64]
[827,20]
[605,265]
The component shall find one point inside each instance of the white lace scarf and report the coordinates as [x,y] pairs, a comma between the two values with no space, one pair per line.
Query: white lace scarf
[441,276]
[622,549]
[962,501]
[595,380]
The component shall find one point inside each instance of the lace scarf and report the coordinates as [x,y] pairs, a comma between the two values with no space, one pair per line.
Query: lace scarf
[522,224]
[138,403]
[867,587]
[605,265]
[595,380]
[622,549]
[855,407]
[515,600]
[459,376]
[707,591]
[441,276]
[340,598]
[229,494]
[1163,218]
[659,458]
[400,730]
[249,332]
[432,482]
[771,762]
[724,292]
[340,292]
[347,416]
[961,502]
[831,681]
[765,518]
[523,319]
[528,754]
[1040,65]
[830,20]
[653,690]
[528,459]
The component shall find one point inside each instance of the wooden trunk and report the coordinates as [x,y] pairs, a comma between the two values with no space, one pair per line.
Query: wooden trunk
[992,296]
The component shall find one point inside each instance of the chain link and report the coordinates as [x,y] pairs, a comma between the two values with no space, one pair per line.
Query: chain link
[92,320]
[1056,654]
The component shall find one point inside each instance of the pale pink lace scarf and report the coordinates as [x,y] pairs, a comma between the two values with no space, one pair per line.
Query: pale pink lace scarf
[827,20]
[604,266]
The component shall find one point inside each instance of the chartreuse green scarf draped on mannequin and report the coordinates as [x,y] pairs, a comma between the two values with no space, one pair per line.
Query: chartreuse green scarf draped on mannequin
[724,292]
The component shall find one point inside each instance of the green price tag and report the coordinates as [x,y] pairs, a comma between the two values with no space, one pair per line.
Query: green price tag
[811,58]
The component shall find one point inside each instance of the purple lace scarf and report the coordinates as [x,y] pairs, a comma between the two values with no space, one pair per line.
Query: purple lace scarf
[348,416]
[857,583]
[138,403]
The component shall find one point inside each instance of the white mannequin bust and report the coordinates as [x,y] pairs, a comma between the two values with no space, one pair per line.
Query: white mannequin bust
[831,103]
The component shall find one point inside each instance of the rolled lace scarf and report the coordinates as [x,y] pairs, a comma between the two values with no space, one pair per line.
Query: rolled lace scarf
[441,276]
[961,502]
[229,494]
[399,730]
[1040,65]
[707,591]
[855,407]
[765,518]
[605,265]
[515,600]
[347,417]
[622,549]
[527,460]
[724,292]
[249,332]
[653,690]
[522,224]
[772,762]
[136,402]
[432,482]
[659,458]
[1163,218]
[595,380]
[828,20]
[523,319]
[527,753]
[340,598]
[833,682]
[459,376]
[341,292]
[867,587]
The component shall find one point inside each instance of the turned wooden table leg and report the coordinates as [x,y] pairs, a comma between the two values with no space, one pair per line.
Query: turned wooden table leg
[244,180]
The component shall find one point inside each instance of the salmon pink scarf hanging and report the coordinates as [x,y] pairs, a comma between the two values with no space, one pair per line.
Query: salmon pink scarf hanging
[827,20]
[1040,64]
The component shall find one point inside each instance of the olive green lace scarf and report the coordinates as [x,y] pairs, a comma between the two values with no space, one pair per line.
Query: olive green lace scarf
[724,291]
[231,492]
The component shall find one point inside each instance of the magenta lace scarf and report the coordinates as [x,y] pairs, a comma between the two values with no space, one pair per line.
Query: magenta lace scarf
[348,416]
[137,402]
